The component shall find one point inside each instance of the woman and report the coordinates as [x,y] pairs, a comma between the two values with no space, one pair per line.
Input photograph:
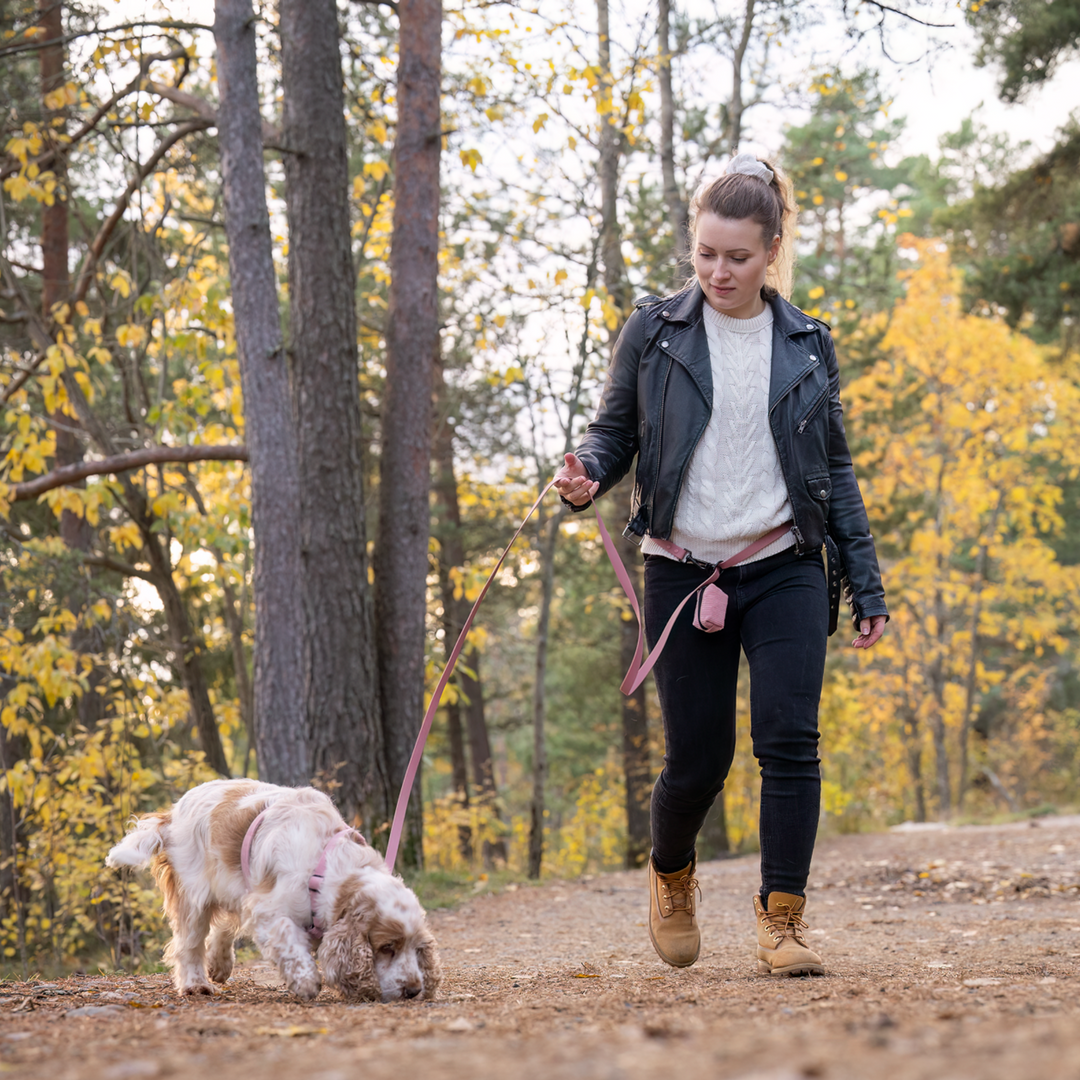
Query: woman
[729,398]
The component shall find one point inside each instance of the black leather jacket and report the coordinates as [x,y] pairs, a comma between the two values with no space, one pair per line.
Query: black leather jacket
[658,400]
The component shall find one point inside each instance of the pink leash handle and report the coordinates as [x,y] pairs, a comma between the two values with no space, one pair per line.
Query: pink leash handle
[425,728]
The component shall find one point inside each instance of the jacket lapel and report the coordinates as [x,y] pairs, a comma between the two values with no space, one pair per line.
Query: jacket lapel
[683,338]
[794,354]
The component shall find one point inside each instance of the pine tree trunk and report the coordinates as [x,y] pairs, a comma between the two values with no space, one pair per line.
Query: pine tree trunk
[342,714]
[634,715]
[736,106]
[276,705]
[447,513]
[472,687]
[187,646]
[412,332]
[637,767]
[549,533]
[673,200]
[447,529]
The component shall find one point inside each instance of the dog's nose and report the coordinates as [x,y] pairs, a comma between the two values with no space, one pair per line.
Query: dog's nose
[410,991]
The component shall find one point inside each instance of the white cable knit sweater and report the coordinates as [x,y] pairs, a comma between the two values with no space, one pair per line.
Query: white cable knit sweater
[733,491]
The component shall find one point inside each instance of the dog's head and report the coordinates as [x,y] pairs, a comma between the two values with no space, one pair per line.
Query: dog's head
[378,947]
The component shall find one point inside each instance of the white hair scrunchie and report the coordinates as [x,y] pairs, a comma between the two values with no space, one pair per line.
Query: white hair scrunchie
[748,164]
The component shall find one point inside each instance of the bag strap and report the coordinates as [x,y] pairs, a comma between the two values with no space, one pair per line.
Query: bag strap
[638,671]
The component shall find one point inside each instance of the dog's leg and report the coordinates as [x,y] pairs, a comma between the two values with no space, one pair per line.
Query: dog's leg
[186,953]
[219,945]
[284,943]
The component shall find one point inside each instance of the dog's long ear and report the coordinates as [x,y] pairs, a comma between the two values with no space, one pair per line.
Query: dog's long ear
[347,960]
[427,956]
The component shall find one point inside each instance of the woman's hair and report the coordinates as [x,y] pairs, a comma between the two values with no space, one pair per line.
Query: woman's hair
[737,196]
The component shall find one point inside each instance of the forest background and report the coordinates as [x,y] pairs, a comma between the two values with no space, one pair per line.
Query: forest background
[259,456]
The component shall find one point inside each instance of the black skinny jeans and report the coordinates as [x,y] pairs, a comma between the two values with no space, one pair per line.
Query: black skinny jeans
[778,613]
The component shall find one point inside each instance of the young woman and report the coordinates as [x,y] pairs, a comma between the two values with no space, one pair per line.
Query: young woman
[729,398]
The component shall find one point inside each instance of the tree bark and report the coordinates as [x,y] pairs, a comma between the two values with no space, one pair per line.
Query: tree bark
[278,692]
[412,322]
[637,767]
[673,200]
[245,692]
[549,538]
[447,515]
[912,741]
[74,529]
[737,107]
[634,715]
[342,713]
[483,762]
[453,554]
[971,684]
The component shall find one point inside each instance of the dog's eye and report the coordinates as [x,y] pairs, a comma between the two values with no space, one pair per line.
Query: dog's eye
[387,950]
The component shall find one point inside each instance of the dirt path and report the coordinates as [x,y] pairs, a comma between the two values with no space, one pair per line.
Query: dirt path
[951,952]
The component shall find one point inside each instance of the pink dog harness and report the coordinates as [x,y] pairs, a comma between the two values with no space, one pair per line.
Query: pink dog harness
[316,929]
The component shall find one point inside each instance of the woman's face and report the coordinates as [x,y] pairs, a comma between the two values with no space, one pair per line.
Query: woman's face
[730,259]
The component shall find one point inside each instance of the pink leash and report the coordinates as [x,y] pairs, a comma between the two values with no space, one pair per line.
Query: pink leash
[634,677]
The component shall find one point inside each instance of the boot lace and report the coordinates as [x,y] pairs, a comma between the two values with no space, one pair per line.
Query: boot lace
[785,923]
[680,893]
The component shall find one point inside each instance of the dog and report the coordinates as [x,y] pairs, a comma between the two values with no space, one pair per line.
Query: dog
[297,881]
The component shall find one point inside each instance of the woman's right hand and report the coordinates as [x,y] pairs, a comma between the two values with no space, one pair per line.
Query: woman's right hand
[573,484]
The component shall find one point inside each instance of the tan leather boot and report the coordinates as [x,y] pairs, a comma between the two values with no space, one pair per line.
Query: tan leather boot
[782,949]
[672,920]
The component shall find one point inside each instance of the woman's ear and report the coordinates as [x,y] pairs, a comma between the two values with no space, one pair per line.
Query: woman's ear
[774,249]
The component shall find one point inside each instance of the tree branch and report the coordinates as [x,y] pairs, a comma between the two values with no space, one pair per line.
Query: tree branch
[35,45]
[201,107]
[110,223]
[907,15]
[119,567]
[135,459]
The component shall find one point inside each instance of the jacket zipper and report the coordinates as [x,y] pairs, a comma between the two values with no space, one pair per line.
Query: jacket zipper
[814,409]
[660,435]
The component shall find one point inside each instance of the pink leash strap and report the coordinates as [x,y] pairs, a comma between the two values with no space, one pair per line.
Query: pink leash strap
[634,677]
[421,739]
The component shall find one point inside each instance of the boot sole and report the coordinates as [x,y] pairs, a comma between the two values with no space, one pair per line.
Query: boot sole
[673,963]
[791,969]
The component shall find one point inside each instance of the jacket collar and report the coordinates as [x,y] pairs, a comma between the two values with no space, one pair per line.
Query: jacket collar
[793,355]
[686,305]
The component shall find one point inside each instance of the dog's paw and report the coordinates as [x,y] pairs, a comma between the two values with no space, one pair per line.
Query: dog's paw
[195,989]
[220,970]
[306,987]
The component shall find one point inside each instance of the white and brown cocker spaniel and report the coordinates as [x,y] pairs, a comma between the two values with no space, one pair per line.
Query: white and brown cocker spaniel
[281,865]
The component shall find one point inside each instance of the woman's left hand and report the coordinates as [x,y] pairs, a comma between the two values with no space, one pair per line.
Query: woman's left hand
[869,631]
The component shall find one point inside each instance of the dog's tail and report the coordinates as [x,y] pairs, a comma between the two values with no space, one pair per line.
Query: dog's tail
[140,845]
